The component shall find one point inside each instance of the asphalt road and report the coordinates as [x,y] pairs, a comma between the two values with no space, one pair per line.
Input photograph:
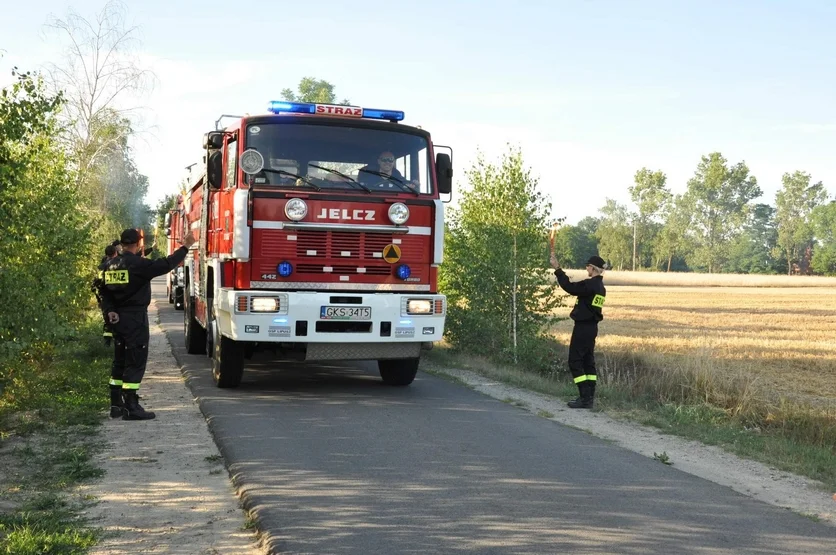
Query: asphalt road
[330,460]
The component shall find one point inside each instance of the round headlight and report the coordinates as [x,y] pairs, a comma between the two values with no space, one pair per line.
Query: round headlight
[251,161]
[398,213]
[296,209]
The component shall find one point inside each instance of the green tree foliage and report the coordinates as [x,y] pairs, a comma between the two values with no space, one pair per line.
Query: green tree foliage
[500,297]
[795,203]
[313,90]
[718,199]
[651,196]
[573,245]
[168,202]
[615,235]
[752,252]
[46,239]
[823,219]
[672,242]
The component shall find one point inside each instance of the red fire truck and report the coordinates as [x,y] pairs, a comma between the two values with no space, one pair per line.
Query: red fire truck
[321,231]
[174,232]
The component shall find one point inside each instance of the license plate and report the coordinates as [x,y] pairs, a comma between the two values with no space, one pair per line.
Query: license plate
[345,313]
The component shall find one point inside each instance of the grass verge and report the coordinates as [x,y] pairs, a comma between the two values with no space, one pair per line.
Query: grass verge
[50,409]
[697,400]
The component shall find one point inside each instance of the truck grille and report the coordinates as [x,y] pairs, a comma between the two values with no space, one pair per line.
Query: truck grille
[345,269]
[345,252]
[334,244]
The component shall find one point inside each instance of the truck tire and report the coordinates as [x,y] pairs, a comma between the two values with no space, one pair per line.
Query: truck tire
[398,372]
[227,357]
[195,334]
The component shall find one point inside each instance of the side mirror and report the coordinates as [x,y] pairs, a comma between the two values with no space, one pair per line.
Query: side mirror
[214,169]
[444,173]
[167,221]
[213,140]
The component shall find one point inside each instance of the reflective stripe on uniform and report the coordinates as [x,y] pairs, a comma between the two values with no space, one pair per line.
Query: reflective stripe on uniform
[126,385]
[587,377]
[115,382]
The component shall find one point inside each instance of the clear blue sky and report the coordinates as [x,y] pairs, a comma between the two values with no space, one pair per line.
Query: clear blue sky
[591,90]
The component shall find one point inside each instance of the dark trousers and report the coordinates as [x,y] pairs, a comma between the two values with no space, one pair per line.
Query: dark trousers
[117,368]
[131,355]
[582,352]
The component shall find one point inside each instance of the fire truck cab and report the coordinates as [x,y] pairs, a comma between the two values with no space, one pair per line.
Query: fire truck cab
[321,230]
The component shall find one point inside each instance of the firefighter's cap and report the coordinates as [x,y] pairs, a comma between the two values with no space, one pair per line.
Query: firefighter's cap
[129,237]
[596,261]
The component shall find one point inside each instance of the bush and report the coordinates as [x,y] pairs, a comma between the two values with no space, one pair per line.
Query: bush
[499,298]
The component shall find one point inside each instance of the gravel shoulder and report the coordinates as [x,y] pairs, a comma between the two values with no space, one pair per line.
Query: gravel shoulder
[165,488]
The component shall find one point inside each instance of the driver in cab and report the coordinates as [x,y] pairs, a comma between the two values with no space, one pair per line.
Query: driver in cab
[381,176]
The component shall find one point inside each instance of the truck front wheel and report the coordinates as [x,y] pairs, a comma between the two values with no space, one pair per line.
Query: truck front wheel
[399,372]
[227,359]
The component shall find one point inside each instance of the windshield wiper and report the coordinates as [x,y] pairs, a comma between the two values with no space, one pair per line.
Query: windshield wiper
[394,180]
[341,174]
[306,180]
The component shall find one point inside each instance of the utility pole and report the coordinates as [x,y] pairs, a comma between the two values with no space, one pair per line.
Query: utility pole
[634,244]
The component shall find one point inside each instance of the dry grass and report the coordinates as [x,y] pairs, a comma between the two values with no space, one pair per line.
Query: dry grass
[782,340]
[682,279]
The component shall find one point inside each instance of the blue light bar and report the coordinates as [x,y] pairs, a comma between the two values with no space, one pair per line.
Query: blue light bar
[391,115]
[282,107]
[278,107]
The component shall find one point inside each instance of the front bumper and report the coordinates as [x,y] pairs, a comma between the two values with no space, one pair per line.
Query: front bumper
[299,320]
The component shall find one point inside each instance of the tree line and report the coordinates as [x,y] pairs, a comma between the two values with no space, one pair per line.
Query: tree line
[714,226]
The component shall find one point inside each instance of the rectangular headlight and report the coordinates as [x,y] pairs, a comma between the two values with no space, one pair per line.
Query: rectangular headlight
[419,306]
[264,304]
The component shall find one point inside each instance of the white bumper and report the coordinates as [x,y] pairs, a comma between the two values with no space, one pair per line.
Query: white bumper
[299,318]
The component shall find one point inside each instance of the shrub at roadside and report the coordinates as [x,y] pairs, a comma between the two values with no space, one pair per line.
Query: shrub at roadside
[499,299]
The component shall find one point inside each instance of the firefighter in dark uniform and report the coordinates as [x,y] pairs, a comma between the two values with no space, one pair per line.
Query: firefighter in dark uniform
[587,313]
[126,296]
[118,364]
[111,251]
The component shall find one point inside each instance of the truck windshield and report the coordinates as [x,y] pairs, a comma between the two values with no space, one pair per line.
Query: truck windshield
[340,157]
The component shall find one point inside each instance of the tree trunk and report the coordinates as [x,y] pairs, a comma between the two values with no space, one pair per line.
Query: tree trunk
[514,301]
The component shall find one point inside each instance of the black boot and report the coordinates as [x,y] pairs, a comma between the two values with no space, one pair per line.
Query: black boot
[117,405]
[585,400]
[133,411]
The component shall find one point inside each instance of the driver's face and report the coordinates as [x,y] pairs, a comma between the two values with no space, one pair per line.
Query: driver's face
[386,160]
